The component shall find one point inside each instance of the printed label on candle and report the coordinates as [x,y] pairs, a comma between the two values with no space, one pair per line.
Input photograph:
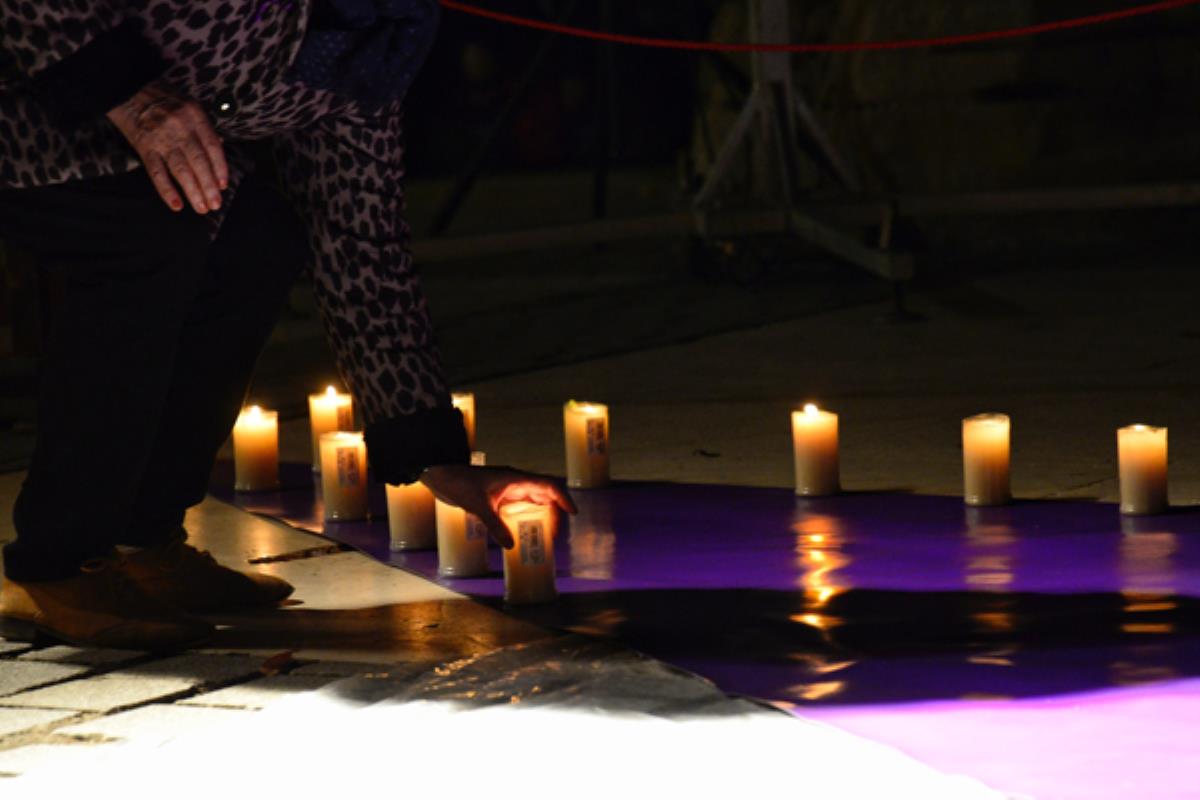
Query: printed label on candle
[475,529]
[345,418]
[347,466]
[531,539]
[597,442]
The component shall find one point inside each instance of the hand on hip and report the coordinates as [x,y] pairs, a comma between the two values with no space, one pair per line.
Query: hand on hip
[177,144]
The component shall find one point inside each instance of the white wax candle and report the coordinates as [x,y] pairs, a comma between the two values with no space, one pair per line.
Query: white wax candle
[815,451]
[344,476]
[461,538]
[585,426]
[411,521]
[256,450]
[465,402]
[529,563]
[328,412]
[986,459]
[1142,459]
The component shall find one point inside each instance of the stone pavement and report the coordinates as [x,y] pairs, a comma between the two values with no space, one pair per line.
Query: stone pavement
[73,720]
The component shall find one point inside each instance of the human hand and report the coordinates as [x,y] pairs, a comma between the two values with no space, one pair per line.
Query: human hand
[174,138]
[483,490]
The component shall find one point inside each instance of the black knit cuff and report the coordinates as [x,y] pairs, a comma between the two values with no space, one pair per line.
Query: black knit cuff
[401,447]
[103,73]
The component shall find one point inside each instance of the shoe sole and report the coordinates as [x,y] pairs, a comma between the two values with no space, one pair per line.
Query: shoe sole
[19,630]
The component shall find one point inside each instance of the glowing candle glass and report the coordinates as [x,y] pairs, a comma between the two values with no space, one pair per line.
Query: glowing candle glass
[529,563]
[815,451]
[986,459]
[344,476]
[1142,460]
[328,412]
[256,450]
[412,524]
[465,402]
[461,538]
[586,429]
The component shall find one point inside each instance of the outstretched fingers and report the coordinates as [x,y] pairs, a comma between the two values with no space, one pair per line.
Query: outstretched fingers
[496,528]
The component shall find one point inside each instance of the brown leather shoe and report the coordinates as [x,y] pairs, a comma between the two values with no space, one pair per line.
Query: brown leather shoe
[192,580]
[100,607]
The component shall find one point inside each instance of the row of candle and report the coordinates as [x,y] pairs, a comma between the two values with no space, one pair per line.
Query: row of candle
[986,442]
[1142,451]
[256,440]
[416,519]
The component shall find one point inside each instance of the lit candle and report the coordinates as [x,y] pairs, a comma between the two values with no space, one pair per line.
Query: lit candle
[344,475]
[461,538]
[815,451]
[586,429]
[411,521]
[1142,459]
[328,412]
[986,459]
[529,563]
[256,450]
[465,402]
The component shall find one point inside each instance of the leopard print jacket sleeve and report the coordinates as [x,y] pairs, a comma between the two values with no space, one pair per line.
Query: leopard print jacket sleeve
[347,174]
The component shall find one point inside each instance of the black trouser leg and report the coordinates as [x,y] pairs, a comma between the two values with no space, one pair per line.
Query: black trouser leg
[130,270]
[251,267]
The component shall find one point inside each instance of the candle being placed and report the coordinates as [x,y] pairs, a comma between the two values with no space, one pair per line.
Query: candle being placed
[815,451]
[1142,459]
[986,459]
[529,563]
[256,450]
[328,412]
[586,429]
[465,402]
[461,538]
[344,476]
[412,524]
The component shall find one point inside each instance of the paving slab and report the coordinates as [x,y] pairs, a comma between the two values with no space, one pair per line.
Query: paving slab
[137,685]
[260,693]
[87,657]
[19,676]
[15,720]
[58,759]
[154,724]
[8,648]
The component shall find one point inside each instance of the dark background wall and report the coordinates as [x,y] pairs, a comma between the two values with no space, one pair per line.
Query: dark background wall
[1114,103]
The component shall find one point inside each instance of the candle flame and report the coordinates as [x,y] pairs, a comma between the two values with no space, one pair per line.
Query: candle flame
[254,412]
[330,391]
[811,409]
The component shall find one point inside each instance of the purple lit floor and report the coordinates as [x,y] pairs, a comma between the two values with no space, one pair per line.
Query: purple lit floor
[1048,648]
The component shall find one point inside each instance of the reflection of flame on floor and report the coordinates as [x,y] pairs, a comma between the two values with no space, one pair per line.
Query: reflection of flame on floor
[1148,571]
[815,691]
[990,543]
[1126,673]
[995,621]
[818,557]
[819,621]
[602,623]
[819,664]
[592,554]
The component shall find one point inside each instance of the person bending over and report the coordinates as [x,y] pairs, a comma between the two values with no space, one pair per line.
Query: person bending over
[132,136]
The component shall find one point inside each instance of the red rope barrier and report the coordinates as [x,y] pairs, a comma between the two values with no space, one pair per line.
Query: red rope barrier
[834,47]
